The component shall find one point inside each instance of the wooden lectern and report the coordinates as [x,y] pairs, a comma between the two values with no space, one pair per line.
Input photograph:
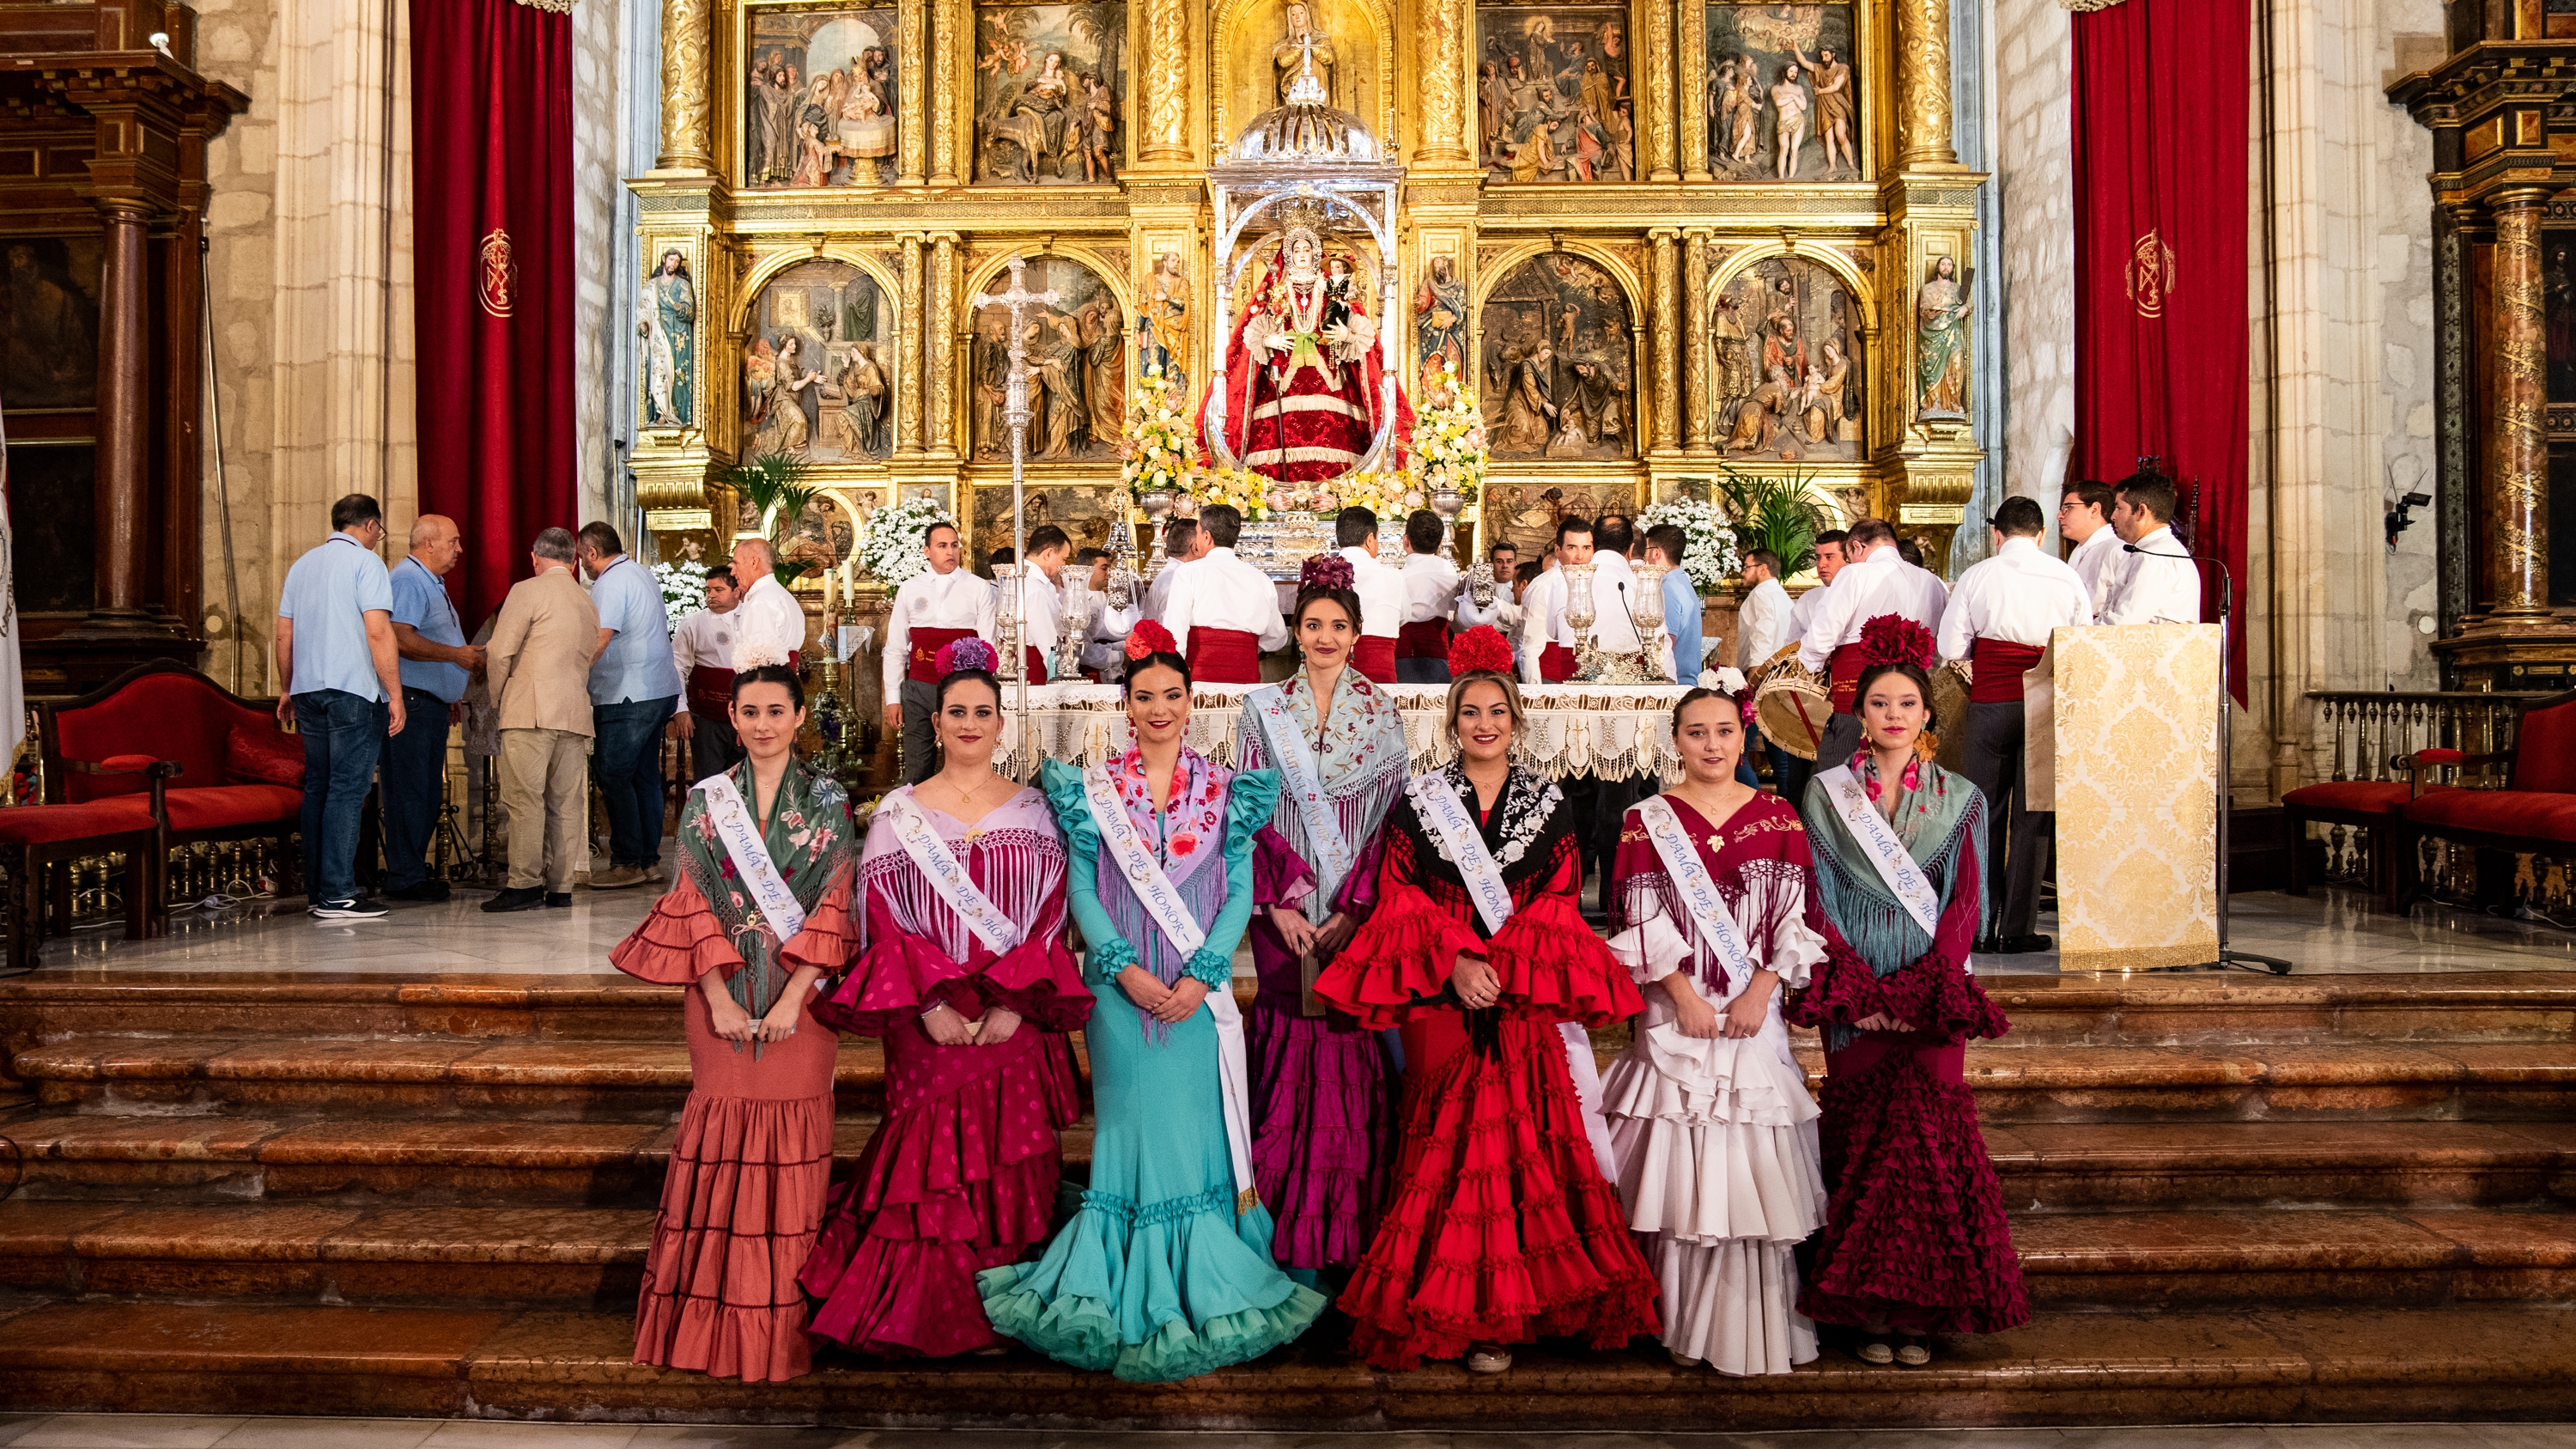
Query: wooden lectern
[2121,741]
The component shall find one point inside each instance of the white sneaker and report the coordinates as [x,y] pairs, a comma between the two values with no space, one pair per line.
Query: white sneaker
[1489,1361]
[358,909]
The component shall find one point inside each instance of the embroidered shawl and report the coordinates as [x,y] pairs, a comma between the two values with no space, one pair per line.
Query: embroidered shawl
[1359,757]
[809,839]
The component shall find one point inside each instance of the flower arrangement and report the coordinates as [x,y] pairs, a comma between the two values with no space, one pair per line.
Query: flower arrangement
[1711,558]
[890,541]
[1895,639]
[684,588]
[1157,452]
[1481,649]
[1239,488]
[1449,437]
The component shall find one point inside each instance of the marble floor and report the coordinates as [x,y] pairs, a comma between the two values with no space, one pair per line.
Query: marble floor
[2330,932]
[174,1431]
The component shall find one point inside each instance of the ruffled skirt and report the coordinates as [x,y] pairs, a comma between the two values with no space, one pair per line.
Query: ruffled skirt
[1319,1134]
[740,1207]
[1501,1228]
[1718,1165]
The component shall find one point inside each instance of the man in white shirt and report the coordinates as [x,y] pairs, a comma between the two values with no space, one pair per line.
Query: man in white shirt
[1224,613]
[1504,613]
[1616,592]
[764,611]
[1547,643]
[1430,596]
[931,609]
[1183,544]
[1103,658]
[2158,583]
[1042,626]
[1762,620]
[2084,520]
[1877,581]
[1789,773]
[1381,590]
[2002,614]
[702,648]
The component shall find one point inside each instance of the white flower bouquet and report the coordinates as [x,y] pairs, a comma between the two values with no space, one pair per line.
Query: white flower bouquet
[890,541]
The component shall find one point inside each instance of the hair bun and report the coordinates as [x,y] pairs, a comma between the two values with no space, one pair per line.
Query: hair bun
[1327,571]
[968,654]
[1481,650]
[1150,637]
[1895,639]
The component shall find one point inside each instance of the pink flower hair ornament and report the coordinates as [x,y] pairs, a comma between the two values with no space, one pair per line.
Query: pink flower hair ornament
[1327,571]
[969,653]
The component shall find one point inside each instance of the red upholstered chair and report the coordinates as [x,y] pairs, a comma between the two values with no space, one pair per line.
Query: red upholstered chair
[2375,806]
[2535,812]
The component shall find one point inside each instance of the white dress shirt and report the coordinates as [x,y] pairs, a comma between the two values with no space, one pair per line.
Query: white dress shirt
[1382,594]
[956,599]
[1543,620]
[1430,587]
[768,614]
[1882,583]
[1104,648]
[1159,588]
[1221,591]
[1802,612]
[703,639]
[2096,562]
[1044,620]
[2150,590]
[2022,595]
[1762,623]
[1543,614]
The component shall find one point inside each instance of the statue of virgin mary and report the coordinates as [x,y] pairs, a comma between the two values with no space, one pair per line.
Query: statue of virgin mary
[1302,368]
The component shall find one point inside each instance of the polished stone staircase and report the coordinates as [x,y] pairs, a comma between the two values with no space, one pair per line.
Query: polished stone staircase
[2236,1198]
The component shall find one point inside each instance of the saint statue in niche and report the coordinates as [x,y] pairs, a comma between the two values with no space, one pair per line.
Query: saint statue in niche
[1288,56]
[1163,324]
[669,328]
[1302,367]
[1941,342]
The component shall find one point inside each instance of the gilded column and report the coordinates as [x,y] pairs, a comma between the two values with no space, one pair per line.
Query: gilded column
[686,134]
[2517,499]
[1666,278]
[1655,92]
[1923,84]
[907,387]
[1693,57]
[910,114]
[943,342]
[1692,317]
[946,64]
[122,484]
[1167,81]
[1443,80]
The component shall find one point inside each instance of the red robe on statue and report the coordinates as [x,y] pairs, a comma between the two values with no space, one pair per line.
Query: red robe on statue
[1303,415]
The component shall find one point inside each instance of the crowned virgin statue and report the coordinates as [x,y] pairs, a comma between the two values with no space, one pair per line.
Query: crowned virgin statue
[1302,367]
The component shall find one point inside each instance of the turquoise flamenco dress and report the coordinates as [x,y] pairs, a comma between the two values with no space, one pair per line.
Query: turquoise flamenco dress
[1164,1272]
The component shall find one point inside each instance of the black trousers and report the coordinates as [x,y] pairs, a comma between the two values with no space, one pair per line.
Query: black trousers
[2018,840]
[713,746]
[920,740]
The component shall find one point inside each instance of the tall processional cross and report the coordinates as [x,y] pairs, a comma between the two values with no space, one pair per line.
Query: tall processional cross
[1015,416]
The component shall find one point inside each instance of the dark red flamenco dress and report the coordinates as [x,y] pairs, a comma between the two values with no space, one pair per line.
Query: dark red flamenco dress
[1499,1228]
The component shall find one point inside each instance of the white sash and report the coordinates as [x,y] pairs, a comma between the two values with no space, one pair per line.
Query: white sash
[1878,841]
[1447,818]
[1162,900]
[741,836]
[947,874]
[1305,785]
[1698,891]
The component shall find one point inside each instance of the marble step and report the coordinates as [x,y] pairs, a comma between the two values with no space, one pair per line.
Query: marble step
[2134,1166]
[2456,1363]
[592,1258]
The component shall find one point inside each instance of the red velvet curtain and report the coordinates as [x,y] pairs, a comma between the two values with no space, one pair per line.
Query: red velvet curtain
[492,237]
[2159,107]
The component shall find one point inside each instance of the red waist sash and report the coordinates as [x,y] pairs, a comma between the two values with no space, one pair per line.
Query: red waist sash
[1555,664]
[1224,656]
[710,689]
[1375,658]
[1036,666]
[923,662]
[1844,664]
[1999,667]
[1426,640]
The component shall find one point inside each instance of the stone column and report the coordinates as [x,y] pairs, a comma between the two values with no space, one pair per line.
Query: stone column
[1691,40]
[943,342]
[907,387]
[1655,92]
[1443,57]
[124,373]
[1699,405]
[687,136]
[2517,496]
[1665,329]
[910,114]
[945,64]
[1923,85]
[1165,83]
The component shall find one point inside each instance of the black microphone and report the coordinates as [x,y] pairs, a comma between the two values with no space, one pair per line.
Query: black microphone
[2226,580]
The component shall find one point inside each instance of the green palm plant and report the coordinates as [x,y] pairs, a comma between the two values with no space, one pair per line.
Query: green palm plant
[1773,511]
[775,487]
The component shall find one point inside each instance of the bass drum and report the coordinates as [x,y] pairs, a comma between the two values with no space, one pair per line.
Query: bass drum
[1950,707]
[1793,707]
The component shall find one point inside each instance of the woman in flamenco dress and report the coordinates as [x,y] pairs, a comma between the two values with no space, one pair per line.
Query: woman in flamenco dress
[962,969]
[1914,1241]
[1501,1226]
[757,917]
[1319,1102]
[1165,1270]
[1713,907]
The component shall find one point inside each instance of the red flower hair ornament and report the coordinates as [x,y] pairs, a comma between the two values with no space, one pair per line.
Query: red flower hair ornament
[1150,637]
[1895,639]
[1480,650]
[1327,571]
[966,653]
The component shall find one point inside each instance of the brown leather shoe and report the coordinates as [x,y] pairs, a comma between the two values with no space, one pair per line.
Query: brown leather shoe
[617,878]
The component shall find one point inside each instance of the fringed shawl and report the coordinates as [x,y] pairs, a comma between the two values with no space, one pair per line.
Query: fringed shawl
[1360,759]
[1940,823]
[809,839]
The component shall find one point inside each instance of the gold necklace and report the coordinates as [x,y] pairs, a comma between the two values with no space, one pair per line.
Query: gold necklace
[965,802]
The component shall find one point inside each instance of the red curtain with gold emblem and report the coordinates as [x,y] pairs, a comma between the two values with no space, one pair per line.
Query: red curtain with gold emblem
[492,254]
[2160,262]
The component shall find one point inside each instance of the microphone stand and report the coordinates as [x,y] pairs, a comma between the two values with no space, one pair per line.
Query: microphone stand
[2227,957]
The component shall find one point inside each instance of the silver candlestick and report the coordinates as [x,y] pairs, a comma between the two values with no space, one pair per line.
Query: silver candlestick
[1447,502]
[1015,415]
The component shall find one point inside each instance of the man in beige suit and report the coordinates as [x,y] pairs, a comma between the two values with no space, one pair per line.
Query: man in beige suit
[539,668]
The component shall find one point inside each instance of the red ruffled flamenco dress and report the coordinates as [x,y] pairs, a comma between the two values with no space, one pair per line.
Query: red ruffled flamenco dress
[962,1175]
[1501,1227]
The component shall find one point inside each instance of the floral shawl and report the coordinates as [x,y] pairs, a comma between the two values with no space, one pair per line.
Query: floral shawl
[1359,760]
[809,839]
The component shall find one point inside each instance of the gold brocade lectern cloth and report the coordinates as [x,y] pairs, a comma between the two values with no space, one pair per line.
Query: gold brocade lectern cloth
[2122,741]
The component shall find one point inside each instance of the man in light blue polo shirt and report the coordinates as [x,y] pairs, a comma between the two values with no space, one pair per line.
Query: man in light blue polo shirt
[336,680]
[436,661]
[634,688]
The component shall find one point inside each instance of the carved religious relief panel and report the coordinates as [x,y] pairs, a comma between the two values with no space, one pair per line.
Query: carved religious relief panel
[1050,94]
[1783,92]
[1525,515]
[1552,93]
[1557,354]
[1784,337]
[820,98]
[819,367]
[1077,356]
[1085,511]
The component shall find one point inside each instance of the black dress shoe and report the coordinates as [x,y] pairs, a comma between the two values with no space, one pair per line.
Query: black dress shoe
[2024,945]
[1988,946]
[528,898]
[558,900]
[428,890]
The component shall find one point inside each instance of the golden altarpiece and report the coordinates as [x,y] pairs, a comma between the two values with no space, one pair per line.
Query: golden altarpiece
[1658,237]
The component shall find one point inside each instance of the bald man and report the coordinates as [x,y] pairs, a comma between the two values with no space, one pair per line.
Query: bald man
[436,660]
[765,611]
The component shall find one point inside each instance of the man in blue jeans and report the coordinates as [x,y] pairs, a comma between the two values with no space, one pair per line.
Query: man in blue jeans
[336,679]
[436,661]
[634,688]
